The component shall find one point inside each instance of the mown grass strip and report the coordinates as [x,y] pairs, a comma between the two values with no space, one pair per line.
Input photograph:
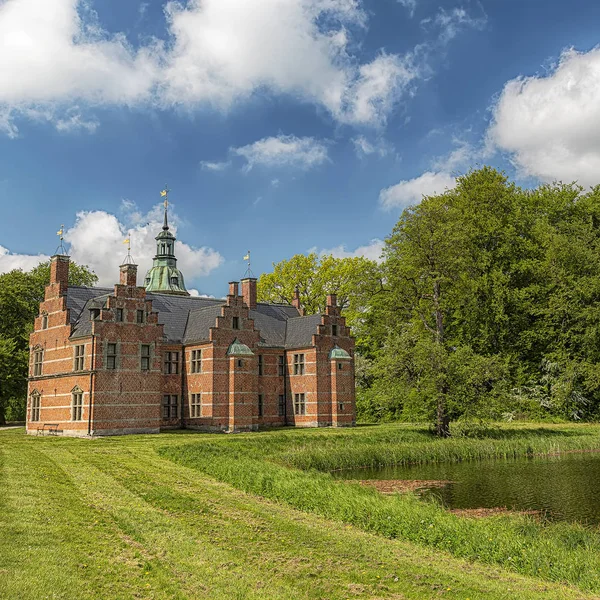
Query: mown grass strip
[555,552]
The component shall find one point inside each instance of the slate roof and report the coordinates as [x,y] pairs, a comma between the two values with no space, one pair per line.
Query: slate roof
[188,319]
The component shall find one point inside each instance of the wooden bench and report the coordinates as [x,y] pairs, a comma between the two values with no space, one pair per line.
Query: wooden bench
[49,428]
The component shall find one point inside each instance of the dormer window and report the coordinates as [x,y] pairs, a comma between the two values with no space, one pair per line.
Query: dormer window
[174,281]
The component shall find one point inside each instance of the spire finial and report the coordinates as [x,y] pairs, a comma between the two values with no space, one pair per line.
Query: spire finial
[165,194]
[128,259]
[61,246]
[248,272]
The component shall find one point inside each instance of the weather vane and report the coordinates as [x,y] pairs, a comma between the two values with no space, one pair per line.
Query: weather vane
[128,259]
[248,272]
[61,247]
[165,194]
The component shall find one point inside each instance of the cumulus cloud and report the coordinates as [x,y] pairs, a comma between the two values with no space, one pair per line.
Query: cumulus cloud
[372,251]
[96,240]
[550,124]
[283,151]
[56,54]
[411,191]
[365,147]
[214,166]
[25,262]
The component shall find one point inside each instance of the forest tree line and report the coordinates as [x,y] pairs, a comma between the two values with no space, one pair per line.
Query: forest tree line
[486,305]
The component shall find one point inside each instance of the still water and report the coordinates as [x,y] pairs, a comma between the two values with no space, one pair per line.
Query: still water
[564,487]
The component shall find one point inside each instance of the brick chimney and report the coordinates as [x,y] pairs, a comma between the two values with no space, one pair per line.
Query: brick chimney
[128,275]
[234,288]
[59,274]
[249,292]
[296,301]
[331,299]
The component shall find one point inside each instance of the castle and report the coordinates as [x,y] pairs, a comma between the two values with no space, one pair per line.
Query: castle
[144,359]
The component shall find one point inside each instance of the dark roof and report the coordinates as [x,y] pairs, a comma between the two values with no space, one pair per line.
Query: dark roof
[300,331]
[188,319]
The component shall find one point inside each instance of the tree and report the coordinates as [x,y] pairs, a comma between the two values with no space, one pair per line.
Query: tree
[20,296]
[355,281]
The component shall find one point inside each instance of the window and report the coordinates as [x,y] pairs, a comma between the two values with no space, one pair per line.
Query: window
[145,362]
[76,406]
[174,281]
[240,363]
[119,315]
[341,407]
[44,321]
[94,314]
[169,406]
[340,366]
[196,406]
[298,364]
[79,361]
[299,404]
[260,405]
[196,363]
[36,403]
[141,314]
[236,322]
[171,363]
[111,356]
[281,365]
[260,364]
[334,330]
[38,358]
[281,405]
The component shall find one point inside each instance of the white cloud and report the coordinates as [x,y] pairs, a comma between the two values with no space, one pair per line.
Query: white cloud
[550,124]
[364,147]
[283,151]
[461,157]
[411,191]
[451,22]
[214,166]
[411,5]
[55,54]
[74,121]
[26,262]
[372,251]
[96,240]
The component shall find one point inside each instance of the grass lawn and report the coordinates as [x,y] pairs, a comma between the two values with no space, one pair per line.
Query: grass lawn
[186,515]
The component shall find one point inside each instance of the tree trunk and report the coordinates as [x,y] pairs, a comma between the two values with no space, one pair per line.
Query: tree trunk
[2,417]
[442,428]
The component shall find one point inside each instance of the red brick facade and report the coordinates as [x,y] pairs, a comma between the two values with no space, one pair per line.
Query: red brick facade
[115,371]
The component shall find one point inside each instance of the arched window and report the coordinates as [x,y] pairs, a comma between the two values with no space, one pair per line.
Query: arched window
[36,403]
[76,404]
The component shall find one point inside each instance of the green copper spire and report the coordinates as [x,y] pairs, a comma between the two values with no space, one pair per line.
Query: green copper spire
[164,277]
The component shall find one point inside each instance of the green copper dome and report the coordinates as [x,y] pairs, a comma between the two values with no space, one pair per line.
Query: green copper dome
[164,277]
[338,353]
[238,349]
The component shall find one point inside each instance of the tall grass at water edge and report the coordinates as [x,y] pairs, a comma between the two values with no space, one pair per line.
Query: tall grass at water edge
[285,468]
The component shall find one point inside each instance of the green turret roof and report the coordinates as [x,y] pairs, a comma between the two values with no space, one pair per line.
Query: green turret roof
[238,349]
[164,277]
[338,353]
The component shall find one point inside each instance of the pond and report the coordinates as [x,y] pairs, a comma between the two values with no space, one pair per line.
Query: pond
[564,487]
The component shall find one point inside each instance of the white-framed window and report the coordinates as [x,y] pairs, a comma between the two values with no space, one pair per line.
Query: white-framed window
[171,363]
[298,364]
[261,404]
[281,366]
[36,404]
[196,361]
[299,404]
[196,405]
[170,406]
[145,357]
[111,355]
[79,357]
[76,405]
[38,359]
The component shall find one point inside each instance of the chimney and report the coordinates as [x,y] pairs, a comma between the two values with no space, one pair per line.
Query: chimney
[296,301]
[249,292]
[331,299]
[233,288]
[59,272]
[128,275]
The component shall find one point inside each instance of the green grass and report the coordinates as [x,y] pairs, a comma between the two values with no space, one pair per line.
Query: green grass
[124,518]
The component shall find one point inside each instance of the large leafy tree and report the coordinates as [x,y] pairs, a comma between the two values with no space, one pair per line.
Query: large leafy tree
[20,295]
[355,280]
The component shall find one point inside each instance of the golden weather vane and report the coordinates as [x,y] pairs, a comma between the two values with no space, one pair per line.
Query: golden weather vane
[165,194]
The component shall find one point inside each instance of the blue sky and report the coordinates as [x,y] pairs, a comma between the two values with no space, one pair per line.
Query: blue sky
[279,125]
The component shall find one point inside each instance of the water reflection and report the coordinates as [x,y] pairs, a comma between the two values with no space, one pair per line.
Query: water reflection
[565,487]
